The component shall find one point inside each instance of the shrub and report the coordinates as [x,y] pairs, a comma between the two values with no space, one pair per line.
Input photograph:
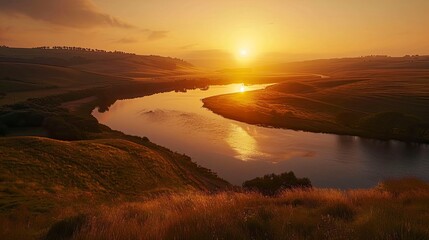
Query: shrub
[87,124]
[3,129]
[273,184]
[22,119]
[58,128]
[66,228]
[20,106]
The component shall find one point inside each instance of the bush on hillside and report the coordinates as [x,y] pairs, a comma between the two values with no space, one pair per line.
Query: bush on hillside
[87,124]
[22,118]
[3,129]
[65,229]
[273,184]
[59,129]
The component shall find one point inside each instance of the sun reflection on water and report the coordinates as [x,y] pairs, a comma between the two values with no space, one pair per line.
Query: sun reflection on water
[242,143]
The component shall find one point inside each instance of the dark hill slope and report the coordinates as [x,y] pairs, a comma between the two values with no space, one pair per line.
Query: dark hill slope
[368,66]
[110,63]
[35,167]
[20,81]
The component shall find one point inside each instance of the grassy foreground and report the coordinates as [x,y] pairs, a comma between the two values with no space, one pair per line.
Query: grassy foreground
[396,209]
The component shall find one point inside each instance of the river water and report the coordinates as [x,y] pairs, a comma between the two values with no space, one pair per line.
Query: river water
[238,151]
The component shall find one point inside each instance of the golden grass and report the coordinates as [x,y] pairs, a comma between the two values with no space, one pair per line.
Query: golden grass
[376,213]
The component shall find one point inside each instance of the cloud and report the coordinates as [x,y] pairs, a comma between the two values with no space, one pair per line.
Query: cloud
[156,35]
[126,40]
[69,13]
[153,35]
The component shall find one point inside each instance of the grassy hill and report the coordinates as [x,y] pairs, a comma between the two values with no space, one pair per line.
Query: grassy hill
[359,66]
[34,73]
[46,76]
[20,81]
[35,167]
[379,97]
[107,63]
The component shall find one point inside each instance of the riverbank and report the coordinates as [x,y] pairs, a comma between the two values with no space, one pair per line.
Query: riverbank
[362,107]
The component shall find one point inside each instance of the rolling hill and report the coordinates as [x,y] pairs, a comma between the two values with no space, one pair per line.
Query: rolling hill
[377,97]
[29,73]
[34,168]
[98,61]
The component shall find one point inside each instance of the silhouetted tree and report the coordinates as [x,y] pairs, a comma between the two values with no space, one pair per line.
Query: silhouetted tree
[273,184]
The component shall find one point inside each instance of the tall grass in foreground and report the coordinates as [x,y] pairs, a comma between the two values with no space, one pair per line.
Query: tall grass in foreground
[393,210]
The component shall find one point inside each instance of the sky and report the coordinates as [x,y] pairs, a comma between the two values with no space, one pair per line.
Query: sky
[222,32]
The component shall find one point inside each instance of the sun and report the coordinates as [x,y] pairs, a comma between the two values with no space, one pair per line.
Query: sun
[242,88]
[244,52]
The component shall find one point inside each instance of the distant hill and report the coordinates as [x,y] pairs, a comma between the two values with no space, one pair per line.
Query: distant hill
[357,66]
[376,96]
[108,63]
[20,81]
[16,77]
[29,72]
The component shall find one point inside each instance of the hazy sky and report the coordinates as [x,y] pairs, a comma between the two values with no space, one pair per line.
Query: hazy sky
[218,30]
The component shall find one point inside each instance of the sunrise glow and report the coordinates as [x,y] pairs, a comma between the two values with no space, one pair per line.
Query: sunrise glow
[244,52]
[242,88]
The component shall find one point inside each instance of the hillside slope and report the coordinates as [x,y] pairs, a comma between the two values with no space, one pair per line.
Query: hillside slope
[20,81]
[47,76]
[109,63]
[35,167]
[372,97]
[357,66]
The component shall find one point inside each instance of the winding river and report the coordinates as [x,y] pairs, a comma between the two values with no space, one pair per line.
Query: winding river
[238,151]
